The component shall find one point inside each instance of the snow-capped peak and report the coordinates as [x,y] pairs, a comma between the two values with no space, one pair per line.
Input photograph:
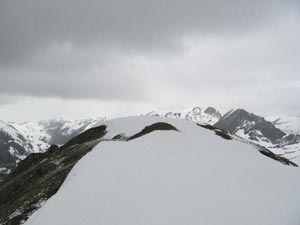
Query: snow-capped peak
[196,114]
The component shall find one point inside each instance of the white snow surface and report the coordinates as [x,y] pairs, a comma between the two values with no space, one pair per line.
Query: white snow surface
[287,123]
[169,177]
[35,134]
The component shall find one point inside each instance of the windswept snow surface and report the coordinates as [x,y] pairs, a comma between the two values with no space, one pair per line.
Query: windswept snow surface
[174,178]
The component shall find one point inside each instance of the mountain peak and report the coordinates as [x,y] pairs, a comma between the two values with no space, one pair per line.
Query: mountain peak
[236,112]
[196,114]
[249,126]
[197,110]
[212,111]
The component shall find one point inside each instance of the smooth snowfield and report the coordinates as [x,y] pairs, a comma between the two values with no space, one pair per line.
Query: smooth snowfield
[169,177]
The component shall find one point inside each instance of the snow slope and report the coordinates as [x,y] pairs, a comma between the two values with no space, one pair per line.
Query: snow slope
[170,177]
[287,123]
[35,134]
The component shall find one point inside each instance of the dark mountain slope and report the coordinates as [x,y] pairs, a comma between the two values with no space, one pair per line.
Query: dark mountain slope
[40,175]
[13,148]
[254,126]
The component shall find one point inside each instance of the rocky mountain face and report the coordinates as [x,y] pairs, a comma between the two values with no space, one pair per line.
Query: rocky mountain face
[261,131]
[278,133]
[249,125]
[13,147]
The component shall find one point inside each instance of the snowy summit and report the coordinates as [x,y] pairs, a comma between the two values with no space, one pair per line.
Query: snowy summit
[176,173]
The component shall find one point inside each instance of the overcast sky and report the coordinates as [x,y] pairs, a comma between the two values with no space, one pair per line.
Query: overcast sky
[77,59]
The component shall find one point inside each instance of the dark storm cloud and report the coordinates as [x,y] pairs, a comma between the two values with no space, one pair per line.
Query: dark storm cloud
[29,26]
[134,50]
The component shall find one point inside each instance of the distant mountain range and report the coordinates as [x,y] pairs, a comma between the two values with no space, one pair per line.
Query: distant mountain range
[18,140]
[280,134]
[208,116]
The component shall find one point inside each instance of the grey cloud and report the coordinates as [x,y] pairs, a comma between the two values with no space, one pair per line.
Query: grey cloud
[161,51]
[28,26]
[82,86]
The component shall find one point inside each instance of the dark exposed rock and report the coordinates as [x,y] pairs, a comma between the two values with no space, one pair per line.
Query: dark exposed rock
[89,135]
[53,148]
[219,132]
[120,137]
[207,126]
[250,123]
[151,128]
[278,158]
[223,134]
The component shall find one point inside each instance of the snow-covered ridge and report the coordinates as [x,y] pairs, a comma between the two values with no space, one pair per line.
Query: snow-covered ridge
[29,137]
[169,177]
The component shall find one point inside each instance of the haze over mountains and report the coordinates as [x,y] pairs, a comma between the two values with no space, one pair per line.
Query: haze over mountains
[278,133]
